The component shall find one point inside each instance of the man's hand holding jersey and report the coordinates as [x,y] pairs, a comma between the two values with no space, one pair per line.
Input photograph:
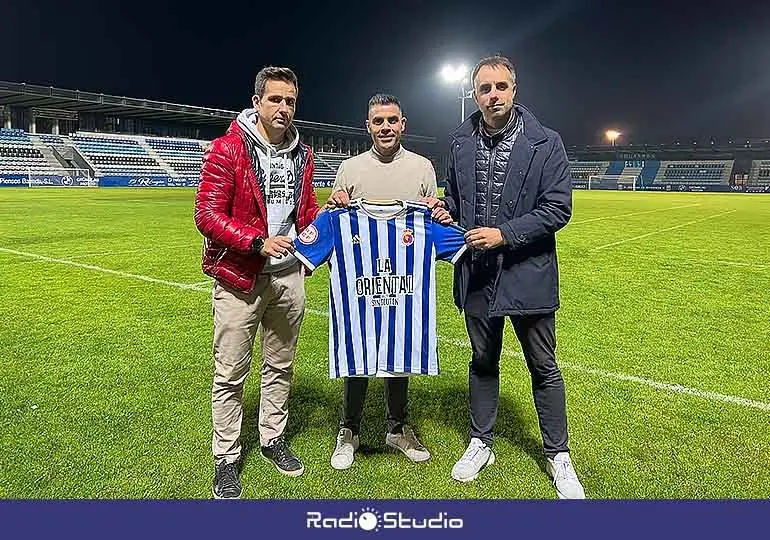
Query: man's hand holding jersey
[341,199]
[438,212]
[478,238]
[338,199]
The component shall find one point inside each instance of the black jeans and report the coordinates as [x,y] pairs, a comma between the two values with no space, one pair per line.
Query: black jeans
[537,336]
[355,395]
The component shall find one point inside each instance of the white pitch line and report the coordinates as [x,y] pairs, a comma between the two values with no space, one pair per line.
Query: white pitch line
[705,262]
[149,279]
[99,254]
[633,214]
[208,282]
[731,263]
[659,231]
[623,377]
[147,249]
[674,388]
[668,387]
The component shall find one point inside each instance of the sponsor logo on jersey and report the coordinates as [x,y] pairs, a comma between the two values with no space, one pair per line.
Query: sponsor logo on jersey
[309,235]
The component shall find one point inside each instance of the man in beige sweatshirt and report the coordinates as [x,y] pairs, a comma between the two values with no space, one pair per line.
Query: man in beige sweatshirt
[387,171]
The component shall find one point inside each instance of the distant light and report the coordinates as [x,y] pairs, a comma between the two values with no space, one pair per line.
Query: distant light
[452,74]
[612,135]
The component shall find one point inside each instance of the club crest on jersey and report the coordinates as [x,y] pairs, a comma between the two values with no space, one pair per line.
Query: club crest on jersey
[309,235]
[407,237]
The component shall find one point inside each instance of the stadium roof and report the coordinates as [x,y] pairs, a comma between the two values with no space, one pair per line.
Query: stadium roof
[31,95]
[751,149]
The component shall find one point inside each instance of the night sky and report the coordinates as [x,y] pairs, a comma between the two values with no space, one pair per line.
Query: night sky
[658,71]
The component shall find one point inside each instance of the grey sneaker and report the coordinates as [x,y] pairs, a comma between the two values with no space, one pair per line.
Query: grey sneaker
[564,477]
[408,443]
[347,444]
[477,456]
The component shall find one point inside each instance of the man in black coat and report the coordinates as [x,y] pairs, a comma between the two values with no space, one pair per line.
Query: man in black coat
[509,185]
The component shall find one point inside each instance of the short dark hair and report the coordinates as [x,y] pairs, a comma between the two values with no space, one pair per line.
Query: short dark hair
[383,99]
[272,73]
[494,60]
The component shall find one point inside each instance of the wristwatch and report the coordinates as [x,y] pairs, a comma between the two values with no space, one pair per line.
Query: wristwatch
[257,245]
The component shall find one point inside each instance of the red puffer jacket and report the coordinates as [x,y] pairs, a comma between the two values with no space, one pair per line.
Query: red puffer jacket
[230,208]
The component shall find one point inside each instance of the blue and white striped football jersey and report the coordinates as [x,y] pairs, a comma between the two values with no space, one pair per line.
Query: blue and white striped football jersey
[382,302]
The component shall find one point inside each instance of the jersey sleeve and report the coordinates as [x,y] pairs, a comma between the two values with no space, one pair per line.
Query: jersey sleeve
[315,244]
[449,241]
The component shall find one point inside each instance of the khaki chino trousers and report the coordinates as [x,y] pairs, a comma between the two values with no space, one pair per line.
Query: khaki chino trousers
[277,306]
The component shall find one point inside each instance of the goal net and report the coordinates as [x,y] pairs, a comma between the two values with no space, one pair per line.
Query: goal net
[628,182]
[49,177]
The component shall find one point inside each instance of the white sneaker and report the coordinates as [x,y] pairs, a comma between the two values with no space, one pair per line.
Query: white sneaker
[564,477]
[477,456]
[347,444]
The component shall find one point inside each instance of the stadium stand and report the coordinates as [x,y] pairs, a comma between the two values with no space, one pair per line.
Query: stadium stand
[116,155]
[112,155]
[631,171]
[759,175]
[582,170]
[649,172]
[655,172]
[326,165]
[695,172]
[51,139]
[183,157]
[48,130]
[616,168]
[120,155]
[18,155]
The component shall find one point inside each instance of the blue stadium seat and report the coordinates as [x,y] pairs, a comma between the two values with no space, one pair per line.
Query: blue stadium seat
[18,154]
[326,165]
[759,174]
[117,155]
[185,157]
[694,172]
[583,170]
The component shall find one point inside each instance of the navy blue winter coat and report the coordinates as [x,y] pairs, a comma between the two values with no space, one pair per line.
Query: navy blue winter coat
[536,202]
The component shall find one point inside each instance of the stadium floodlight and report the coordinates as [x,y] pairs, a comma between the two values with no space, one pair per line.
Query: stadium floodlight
[458,75]
[612,135]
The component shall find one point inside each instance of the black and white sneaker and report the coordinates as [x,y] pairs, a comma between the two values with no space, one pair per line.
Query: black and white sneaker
[279,454]
[227,485]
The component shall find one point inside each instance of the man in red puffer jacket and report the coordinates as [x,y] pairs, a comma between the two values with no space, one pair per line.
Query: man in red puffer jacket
[255,195]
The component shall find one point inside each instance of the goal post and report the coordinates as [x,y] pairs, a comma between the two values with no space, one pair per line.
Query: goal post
[52,177]
[625,182]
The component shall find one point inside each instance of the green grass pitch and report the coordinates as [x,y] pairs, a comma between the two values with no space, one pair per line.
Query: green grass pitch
[663,338]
